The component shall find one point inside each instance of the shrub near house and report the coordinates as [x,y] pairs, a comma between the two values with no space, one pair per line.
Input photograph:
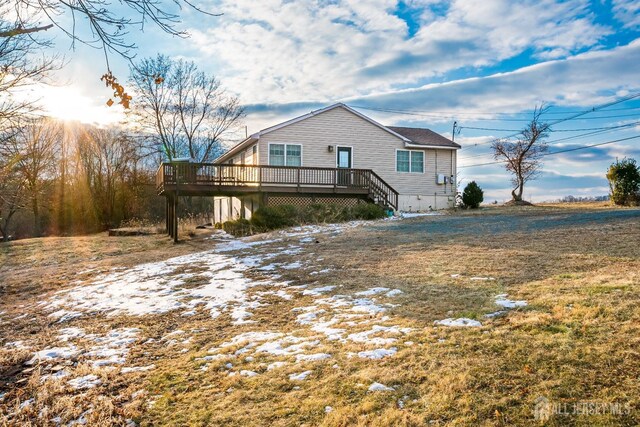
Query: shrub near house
[274,217]
[472,195]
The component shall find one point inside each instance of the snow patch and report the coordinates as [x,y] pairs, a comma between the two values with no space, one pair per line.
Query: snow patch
[158,287]
[300,377]
[379,353]
[54,353]
[502,301]
[461,322]
[85,382]
[66,334]
[408,215]
[312,357]
[240,244]
[380,387]
[372,291]
[128,369]
[318,291]
[275,365]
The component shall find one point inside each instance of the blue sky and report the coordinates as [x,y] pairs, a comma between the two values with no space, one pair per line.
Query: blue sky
[423,63]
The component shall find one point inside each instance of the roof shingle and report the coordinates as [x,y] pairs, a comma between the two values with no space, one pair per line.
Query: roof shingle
[422,136]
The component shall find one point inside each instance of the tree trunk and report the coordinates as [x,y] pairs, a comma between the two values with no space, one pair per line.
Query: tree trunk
[62,219]
[517,192]
[36,216]
[5,228]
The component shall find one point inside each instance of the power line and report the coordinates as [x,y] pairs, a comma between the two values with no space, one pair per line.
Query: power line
[572,117]
[554,130]
[473,113]
[597,132]
[489,129]
[557,152]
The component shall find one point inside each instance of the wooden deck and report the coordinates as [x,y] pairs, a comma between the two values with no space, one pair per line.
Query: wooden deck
[175,180]
[205,179]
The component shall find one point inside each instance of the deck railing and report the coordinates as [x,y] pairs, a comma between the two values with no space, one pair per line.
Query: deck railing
[215,175]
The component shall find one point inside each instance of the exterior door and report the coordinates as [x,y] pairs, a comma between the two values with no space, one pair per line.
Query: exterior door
[344,161]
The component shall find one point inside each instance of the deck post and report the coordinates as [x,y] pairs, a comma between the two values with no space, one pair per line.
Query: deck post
[174,215]
[168,213]
[169,216]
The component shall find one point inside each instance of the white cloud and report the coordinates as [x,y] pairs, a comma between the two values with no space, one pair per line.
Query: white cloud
[627,12]
[277,51]
[581,80]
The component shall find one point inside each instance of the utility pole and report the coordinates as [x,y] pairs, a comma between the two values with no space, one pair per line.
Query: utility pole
[453,132]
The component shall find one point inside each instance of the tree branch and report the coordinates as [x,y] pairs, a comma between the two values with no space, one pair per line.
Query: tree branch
[19,30]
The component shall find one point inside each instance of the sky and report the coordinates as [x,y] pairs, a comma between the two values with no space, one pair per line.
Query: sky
[424,63]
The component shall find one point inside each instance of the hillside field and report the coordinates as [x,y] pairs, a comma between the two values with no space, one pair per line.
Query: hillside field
[497,317]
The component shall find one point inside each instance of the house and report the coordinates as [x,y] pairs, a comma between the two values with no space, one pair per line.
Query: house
[419,164]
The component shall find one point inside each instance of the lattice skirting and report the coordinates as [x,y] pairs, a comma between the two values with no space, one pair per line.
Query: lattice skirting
[302,201]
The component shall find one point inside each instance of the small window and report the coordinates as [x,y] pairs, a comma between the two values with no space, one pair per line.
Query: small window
[276,155]
[230,161]
[410,161]
[285,155]
[417,161]
[255,149]
[402,161]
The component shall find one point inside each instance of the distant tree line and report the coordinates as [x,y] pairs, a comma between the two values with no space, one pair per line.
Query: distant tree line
[70,179]
[578,199]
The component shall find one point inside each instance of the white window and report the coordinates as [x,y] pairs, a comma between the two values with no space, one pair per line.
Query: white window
[417,161]
[402,161]
[285,155]
[276,155]
[410,161]
[294,155]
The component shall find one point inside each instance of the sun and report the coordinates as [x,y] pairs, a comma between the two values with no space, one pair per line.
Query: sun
[70,104]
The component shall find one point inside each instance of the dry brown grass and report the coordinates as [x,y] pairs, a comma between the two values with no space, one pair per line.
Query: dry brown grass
[576,341]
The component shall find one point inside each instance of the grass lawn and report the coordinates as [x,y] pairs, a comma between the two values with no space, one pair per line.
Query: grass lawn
[332,325]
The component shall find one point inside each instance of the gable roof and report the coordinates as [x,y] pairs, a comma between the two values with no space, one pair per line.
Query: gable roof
[330,107]
[410,136]
[426,137]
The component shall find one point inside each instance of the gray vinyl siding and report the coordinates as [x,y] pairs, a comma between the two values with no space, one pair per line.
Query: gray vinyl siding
[250,158]
[372,148]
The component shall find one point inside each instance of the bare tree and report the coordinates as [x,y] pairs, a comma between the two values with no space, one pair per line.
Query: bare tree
[107,156]
[522,157]
[186,111]
[20,66]
[101,24]
[33,149]
[107,23]
[12,197]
